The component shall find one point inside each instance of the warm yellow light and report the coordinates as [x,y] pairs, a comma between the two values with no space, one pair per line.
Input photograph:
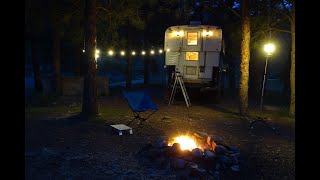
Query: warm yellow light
[110,52]
[83,50]
[186,142]
[97,51]
[97,56]
[122,53]
[207,33]
[152,52]
[133,53]
[143,52]
[168,50]
[269,48]
[179,33]
[160,51]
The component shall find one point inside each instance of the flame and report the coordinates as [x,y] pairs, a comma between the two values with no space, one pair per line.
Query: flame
[186,142]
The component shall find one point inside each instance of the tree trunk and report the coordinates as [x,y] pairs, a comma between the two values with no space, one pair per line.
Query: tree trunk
[36,67]
[292,71]
[245,58]
[56,61]
[90,105]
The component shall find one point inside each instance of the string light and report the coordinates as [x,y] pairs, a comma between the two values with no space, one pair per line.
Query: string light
[110,52]
[133,53]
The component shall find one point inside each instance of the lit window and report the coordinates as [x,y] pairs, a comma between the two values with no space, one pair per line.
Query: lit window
[192,56]
[192,38]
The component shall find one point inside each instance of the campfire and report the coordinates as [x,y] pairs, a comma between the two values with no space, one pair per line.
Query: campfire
[186,142]
[198,153]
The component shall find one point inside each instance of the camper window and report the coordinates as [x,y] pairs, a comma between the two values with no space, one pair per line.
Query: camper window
[192,38]
[192,56]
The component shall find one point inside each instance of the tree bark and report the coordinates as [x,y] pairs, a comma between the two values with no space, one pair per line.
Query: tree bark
[245,58]
[90,105]
[292,70]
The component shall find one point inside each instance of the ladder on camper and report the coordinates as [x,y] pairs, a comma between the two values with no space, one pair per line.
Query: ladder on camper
[179,80]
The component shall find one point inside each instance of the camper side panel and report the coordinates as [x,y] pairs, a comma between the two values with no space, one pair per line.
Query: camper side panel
[213,43]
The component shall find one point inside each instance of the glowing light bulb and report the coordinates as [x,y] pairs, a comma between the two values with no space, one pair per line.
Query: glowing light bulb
[110,52]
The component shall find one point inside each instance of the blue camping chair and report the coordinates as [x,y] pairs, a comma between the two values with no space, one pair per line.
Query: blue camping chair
[140,102]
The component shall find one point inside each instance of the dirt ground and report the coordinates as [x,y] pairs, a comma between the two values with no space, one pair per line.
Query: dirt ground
[59,145]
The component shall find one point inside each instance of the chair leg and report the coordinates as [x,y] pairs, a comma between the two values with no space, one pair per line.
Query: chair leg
[130,121]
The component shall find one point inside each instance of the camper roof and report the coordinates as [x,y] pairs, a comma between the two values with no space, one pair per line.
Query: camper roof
[186,27]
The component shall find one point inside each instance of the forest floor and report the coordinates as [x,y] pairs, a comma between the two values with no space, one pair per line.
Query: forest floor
[59,145]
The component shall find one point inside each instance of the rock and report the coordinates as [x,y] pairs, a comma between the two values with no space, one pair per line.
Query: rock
[220,149]
[175,148]
[161,161]
[225,160]
[185,154]
[152,153]
[235,168]
[166,150]
[237,155]
[234,159]
[178,163]
[234,149]
[161,144]
[214,138]
[209,154]
[197,153]
[196,171]
[201,135]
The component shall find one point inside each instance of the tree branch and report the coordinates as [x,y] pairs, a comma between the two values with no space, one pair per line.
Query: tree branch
[230,8]
[284,14]
[104,9]
[280,30]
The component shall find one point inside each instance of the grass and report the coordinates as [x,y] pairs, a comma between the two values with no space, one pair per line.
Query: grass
[107,112]
[50,111]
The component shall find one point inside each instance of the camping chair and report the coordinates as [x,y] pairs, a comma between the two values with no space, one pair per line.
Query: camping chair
[140,102]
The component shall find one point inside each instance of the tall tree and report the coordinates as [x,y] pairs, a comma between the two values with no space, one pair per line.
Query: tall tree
[90,104]
[34,27]
[55,46]
[245,58]
[284,11]
[292,109]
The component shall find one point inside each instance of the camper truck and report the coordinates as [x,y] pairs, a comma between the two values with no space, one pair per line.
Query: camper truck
[194,51]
